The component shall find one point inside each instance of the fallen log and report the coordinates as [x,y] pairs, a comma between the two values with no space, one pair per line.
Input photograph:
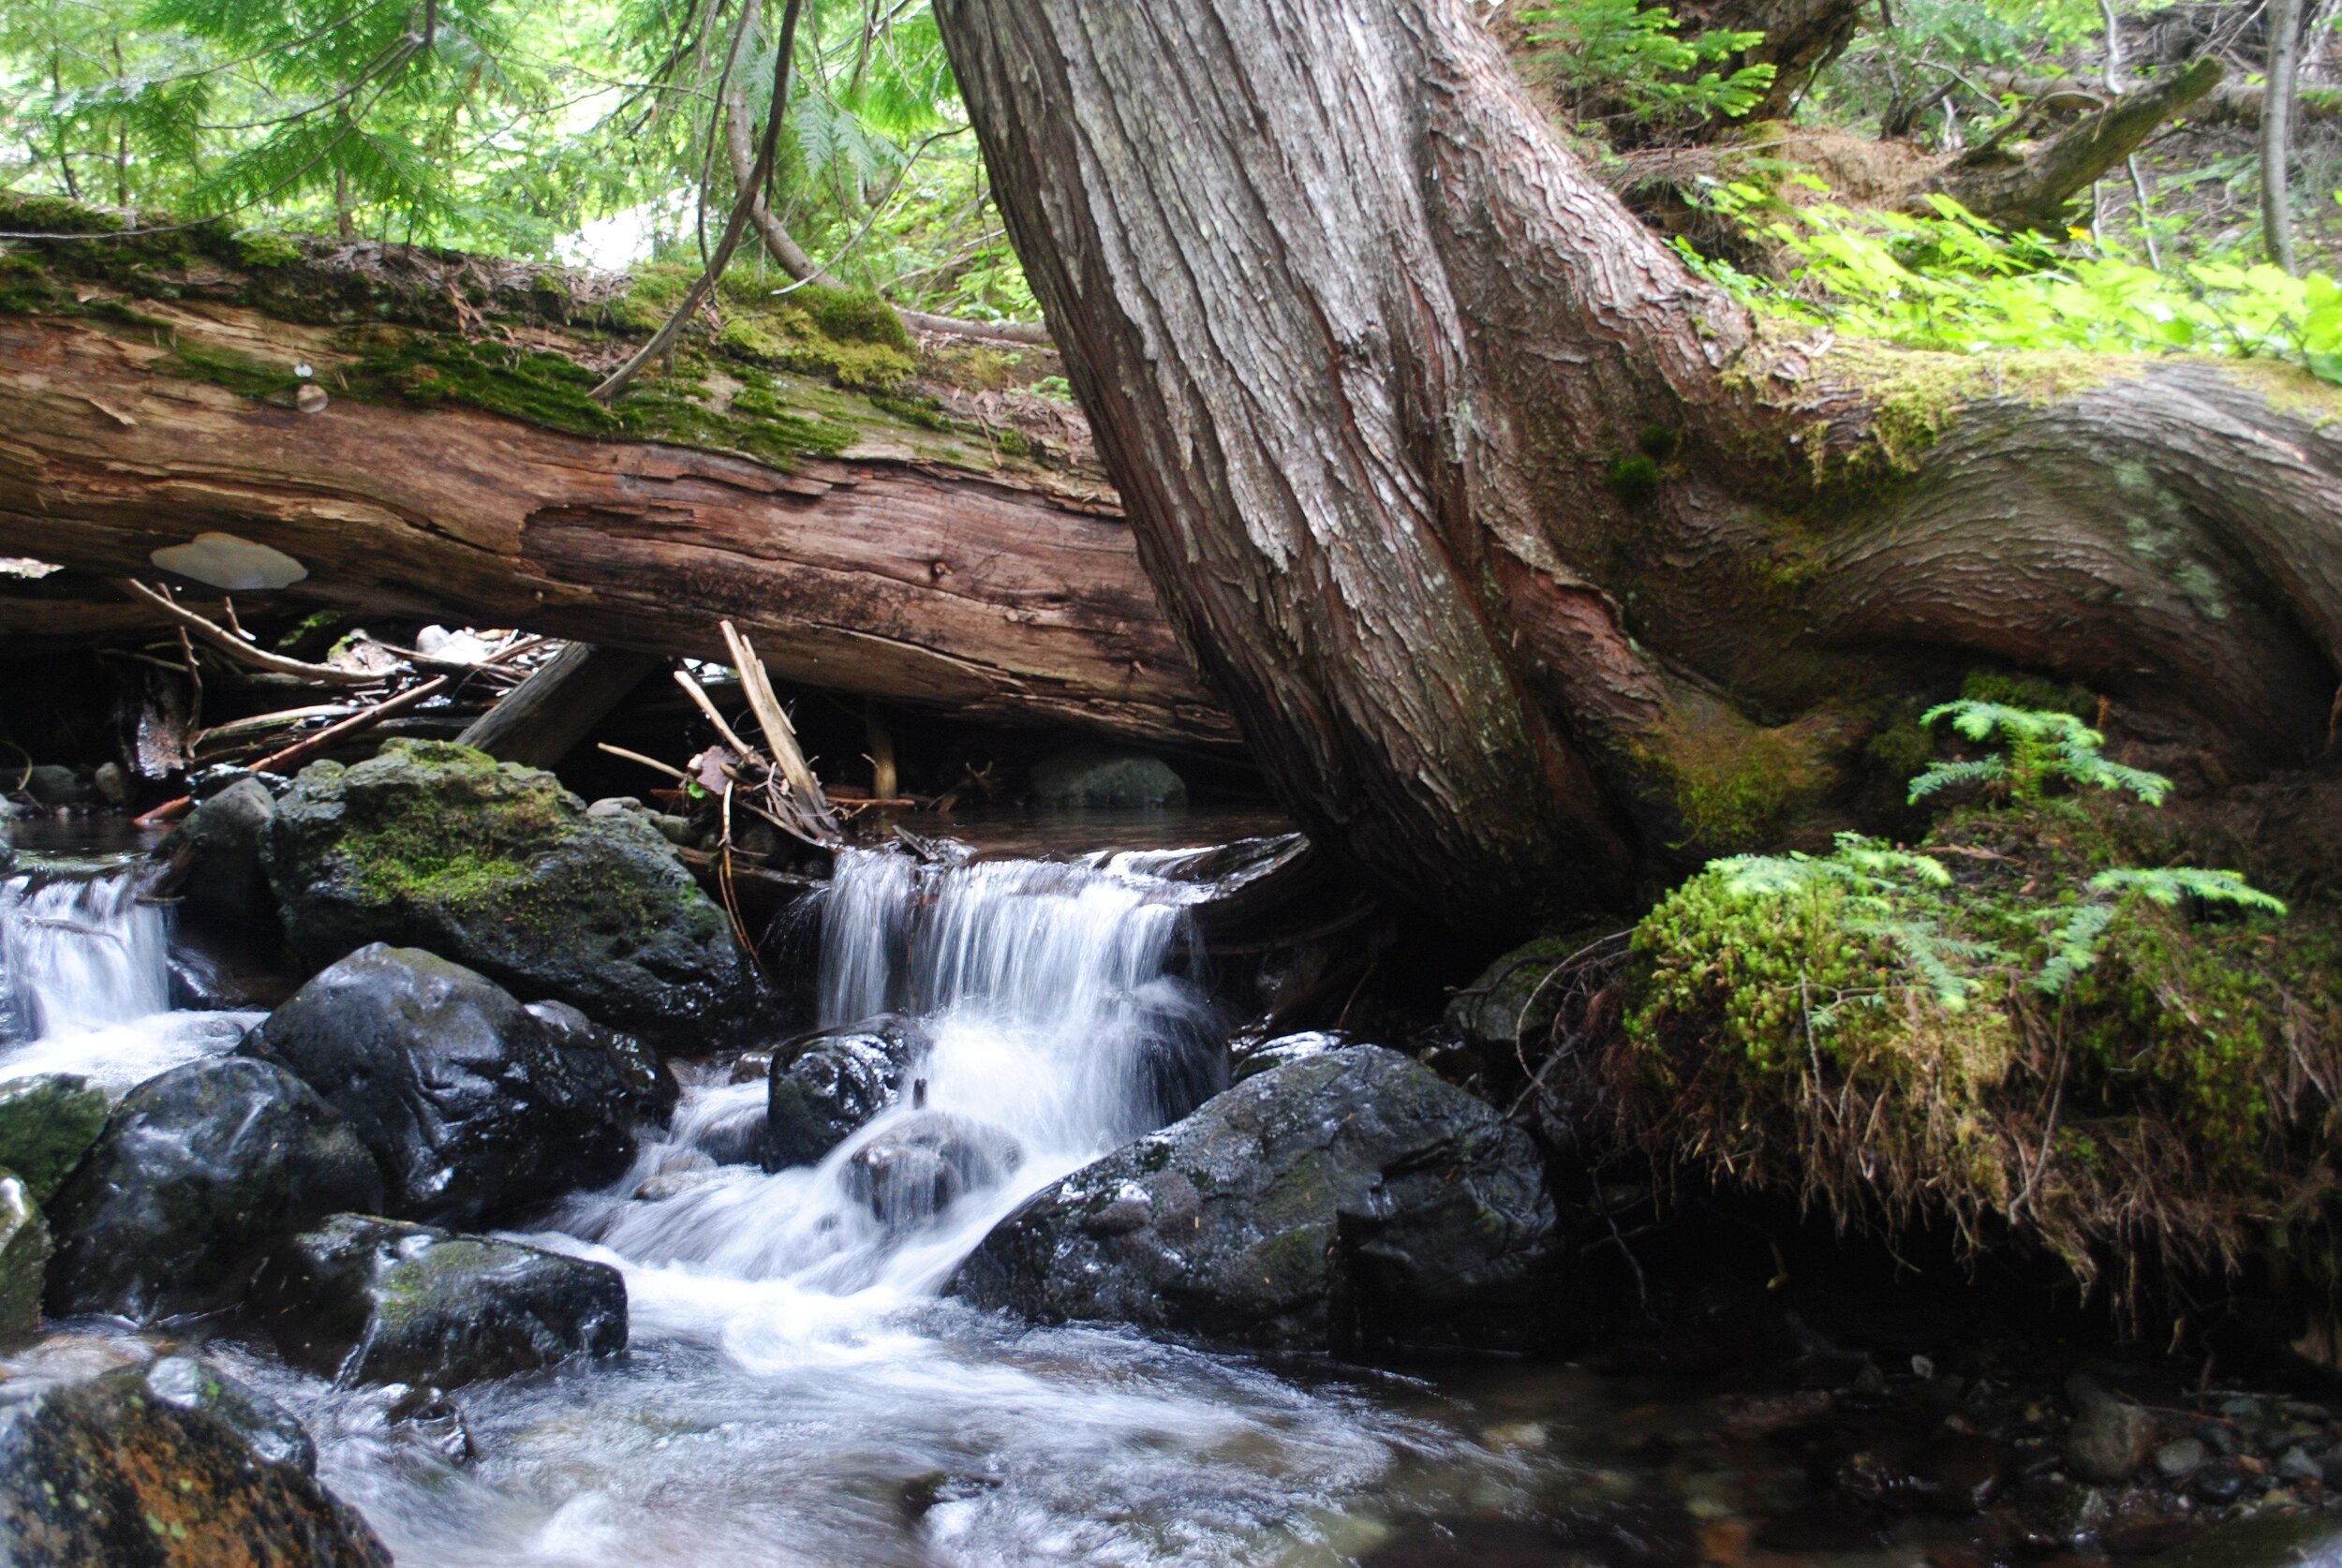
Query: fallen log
[867,547]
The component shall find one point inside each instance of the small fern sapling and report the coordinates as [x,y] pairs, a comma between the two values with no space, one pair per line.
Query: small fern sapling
[2073,941]
[2042,744]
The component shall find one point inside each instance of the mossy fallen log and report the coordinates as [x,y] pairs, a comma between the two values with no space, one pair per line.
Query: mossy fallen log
[393,430]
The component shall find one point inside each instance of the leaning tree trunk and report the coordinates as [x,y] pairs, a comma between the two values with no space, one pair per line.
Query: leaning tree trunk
[1525,557]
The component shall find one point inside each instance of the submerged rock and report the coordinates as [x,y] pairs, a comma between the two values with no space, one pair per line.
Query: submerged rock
[372,1301]
[169,1465]
[827,1085]
[199,1172]
[473,1103]
[1350,1201]
[499,867]
[915,1168]
[24,1246]
[47,1125]
[1093,777]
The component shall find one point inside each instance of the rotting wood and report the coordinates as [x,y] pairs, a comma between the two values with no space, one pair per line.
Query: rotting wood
[542,719]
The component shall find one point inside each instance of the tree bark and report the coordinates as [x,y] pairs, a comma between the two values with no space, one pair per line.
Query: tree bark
[1530,563]
[912,567]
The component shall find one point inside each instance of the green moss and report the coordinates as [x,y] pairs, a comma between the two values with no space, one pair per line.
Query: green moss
[2153,1115]
[262,247]
[855,316]
[1633,479]
[1732,783]
[2012,688]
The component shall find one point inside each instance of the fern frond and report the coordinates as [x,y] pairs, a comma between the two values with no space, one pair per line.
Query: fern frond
[2167,885]
[1945,775]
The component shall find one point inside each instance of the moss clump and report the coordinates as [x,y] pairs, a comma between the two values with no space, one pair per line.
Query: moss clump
[1891,1054]
[1733,783]
[262,247]
[2014,689]
[1633,479]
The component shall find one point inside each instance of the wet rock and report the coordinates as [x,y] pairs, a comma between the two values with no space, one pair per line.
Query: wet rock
[2054,1511]
[728,1125]
[169,1465]
[1509,998]
[497,867]
[914,1169]
[112,783]
[47,1125]
[2219,1483]
[2296,1465]
[1095,777]
[427,1416]
[2110,1438]
[222,838]
[55,784]
[197,1173]
[649,1083]
[2179,1459]
[1252,1060]
[474,1104]
[1350,1201]
[366,1300]
[826,1085]
[24,1246]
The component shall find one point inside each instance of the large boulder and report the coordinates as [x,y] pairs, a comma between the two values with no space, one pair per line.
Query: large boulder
[48,1122]
[367,1300]
[169,1465]
[474,1104]
[826,1085]
[199,1171]
[1349,1201]
[439,845]
[24,1246]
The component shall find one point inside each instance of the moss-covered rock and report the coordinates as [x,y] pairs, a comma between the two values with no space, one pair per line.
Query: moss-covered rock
[824,1084]
[198,1173]
[24,1246]
[1902,1052]
[496,867]
[169,1465]
[1350,1201]
[366,1300]
[473,1106]
[1097,779]
[48,1122]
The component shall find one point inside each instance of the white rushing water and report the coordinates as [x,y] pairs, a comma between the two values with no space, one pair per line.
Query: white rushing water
[796,1392]
[86,978]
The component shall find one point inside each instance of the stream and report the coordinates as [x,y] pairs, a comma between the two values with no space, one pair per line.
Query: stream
[796,1390]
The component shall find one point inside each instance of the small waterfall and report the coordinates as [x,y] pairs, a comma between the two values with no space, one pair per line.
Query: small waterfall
[86,978]
[81,951]
[1060,1025]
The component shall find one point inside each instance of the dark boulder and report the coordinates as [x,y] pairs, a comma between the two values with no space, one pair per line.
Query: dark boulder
[366,1300]
[217,851]
[498,866]
[474,1104]
[1096,778]
[48,1123]
[199,1171]
[827,1084]
[1349,1201]
[169,1465]
[646,1081]
[912,1170]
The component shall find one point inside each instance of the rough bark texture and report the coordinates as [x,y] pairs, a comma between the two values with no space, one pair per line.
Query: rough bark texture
[911,565]
[1526,558]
